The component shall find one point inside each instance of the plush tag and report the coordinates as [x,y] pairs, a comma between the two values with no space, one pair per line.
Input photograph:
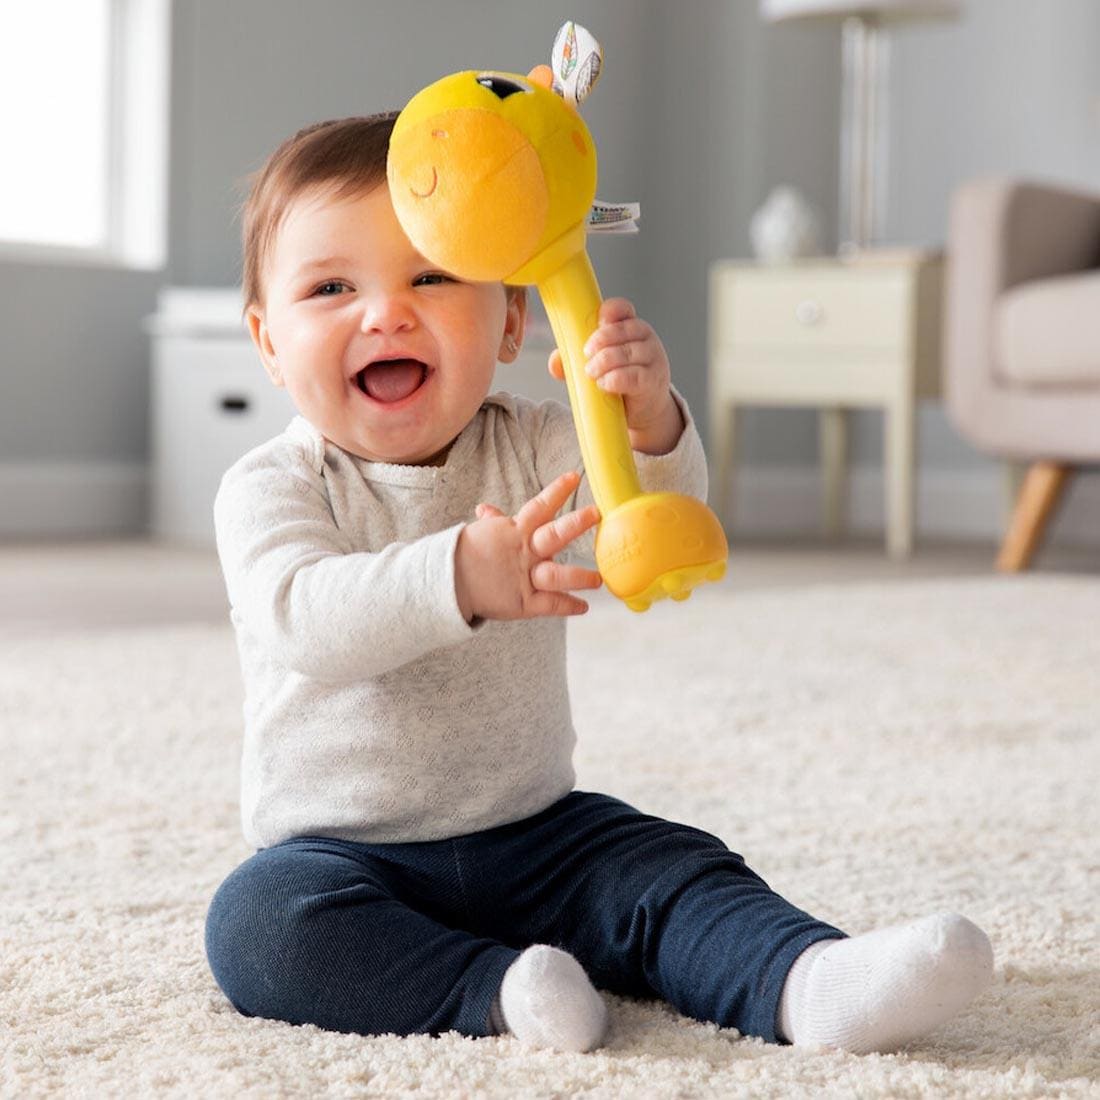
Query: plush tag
[576,61]
[613,217]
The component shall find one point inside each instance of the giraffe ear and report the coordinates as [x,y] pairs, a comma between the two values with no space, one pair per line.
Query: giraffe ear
[542,75]
[576,62]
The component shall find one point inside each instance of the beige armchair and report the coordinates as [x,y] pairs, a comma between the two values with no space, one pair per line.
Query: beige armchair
[1022,339]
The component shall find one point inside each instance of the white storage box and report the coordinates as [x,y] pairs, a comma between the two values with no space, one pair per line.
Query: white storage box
[212,402]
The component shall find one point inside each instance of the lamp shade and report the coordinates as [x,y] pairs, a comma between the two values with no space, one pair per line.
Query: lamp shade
[776,11]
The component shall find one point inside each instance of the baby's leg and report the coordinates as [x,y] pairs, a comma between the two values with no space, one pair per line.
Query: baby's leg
[645,906]
[310,932]
[874,992]
[649,905]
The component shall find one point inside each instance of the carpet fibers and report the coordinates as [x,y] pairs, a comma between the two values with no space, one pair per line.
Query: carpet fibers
[876,751]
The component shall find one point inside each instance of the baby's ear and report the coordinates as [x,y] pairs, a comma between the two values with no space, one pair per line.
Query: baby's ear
[257,329]
[515,324]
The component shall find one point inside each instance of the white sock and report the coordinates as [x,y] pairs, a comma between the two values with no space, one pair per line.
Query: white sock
[884,989]
[546,1000]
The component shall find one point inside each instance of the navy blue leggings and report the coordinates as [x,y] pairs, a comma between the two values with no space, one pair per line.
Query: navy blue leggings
[415,938]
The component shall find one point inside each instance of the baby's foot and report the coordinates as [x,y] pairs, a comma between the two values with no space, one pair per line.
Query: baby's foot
[884,989]
[546,1000]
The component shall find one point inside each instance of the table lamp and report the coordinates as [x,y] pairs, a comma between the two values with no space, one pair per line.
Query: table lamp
[863,135]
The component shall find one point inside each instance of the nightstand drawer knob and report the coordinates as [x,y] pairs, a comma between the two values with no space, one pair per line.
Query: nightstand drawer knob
[809,312]
[234,403]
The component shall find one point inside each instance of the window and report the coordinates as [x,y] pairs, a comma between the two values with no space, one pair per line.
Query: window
[83,111]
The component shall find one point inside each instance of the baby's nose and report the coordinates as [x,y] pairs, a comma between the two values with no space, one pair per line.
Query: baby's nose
[387,313]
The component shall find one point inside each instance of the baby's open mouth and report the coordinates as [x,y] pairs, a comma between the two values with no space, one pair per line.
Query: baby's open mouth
[392,380]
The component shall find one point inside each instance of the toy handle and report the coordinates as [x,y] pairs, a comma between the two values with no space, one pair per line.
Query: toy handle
[572,299]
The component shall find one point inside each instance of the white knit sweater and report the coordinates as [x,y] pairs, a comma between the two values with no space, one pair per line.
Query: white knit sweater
[373,711]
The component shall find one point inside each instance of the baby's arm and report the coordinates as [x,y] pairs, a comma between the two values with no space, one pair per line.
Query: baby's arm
[504,567]
[627,357]
[298,587]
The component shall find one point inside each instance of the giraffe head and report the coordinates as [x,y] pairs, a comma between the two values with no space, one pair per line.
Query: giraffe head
[487,171]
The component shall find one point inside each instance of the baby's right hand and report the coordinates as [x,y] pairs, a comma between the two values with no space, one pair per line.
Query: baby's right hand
[504,565]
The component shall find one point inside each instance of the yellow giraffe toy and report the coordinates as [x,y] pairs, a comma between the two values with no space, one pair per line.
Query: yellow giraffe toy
[492,176]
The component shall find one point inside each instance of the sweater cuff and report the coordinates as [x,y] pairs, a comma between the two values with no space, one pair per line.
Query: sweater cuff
[683,469]
[441,571]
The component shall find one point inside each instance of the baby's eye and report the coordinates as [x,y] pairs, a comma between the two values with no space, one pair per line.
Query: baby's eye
[331,288]
[432,278]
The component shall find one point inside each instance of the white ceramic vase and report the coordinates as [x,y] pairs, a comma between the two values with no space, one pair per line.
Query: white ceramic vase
[785,227]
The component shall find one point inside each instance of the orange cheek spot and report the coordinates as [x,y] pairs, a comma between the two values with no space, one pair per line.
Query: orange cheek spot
[578,141]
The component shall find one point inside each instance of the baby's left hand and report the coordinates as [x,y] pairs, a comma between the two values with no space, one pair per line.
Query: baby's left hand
[625,356]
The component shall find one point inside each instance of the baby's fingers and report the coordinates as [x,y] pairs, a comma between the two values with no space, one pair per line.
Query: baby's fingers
[553,537]
[555,604]
[621,380]
[548,503]
[555,367]
[631,331]
[552,576]
[613,310]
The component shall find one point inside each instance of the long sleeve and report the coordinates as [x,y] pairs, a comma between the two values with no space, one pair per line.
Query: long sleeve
[315,605]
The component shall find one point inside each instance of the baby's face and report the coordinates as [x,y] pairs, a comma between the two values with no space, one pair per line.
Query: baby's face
[386,355]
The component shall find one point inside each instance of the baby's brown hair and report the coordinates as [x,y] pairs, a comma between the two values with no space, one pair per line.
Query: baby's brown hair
[348,153]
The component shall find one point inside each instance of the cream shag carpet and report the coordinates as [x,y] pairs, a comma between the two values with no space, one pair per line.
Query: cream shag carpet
[877,752]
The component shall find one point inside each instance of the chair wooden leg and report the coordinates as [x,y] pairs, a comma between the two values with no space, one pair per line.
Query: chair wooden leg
[1039,495]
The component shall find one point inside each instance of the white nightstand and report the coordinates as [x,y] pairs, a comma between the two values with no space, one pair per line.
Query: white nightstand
[838,335]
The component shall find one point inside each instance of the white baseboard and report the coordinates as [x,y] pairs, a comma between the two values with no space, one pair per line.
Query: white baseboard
[73,499]
[964,505]
[61,500]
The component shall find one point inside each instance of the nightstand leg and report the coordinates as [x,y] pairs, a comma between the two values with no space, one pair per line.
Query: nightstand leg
[723,444]
[833,437]
[900,462]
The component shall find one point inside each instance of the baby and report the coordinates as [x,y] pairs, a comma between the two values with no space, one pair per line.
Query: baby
[423,862]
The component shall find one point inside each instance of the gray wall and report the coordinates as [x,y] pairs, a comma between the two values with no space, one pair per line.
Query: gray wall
[702,109]
[1011,88]
[73,363]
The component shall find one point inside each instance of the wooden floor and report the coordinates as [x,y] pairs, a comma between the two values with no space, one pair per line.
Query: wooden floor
[50,586]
